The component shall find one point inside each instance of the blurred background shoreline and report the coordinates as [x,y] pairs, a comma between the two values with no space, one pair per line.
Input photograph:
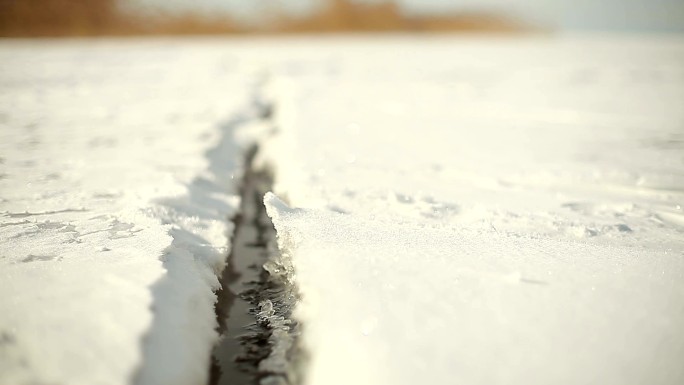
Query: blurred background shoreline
[74,18]
[116,18]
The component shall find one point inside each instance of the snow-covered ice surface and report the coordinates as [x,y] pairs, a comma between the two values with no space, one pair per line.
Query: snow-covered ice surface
[458,210]
[482,210]
[117,179]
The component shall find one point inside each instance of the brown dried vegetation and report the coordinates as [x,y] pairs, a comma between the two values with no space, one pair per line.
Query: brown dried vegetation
[348,16]
[34,18]
[58,17]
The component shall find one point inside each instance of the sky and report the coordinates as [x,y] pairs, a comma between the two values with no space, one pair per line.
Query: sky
[638,15]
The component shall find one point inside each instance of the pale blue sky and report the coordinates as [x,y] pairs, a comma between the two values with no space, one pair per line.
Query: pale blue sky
[563,14]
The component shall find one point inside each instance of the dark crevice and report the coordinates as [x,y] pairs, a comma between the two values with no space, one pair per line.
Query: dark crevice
[254,307]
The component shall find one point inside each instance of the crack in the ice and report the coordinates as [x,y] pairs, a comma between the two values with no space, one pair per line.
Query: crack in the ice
[259,341]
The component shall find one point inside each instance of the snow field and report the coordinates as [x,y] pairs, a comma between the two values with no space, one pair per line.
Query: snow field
[454,209]
[485,210]
[118,177]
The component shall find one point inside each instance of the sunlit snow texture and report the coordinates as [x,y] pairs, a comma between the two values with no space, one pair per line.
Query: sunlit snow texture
[484,211]
[458,209]
[117,170]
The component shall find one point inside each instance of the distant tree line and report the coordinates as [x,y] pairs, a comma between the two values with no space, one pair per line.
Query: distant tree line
[107,17]
[58,17]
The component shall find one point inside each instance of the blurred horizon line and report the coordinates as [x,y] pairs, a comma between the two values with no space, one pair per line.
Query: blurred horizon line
[64,18]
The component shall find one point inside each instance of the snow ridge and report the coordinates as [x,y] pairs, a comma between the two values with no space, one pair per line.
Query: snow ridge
[177,348]
[286,359]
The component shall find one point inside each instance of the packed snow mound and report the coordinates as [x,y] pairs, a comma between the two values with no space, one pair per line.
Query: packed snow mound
[484,211]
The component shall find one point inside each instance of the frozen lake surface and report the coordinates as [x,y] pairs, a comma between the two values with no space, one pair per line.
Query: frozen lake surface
[451,209]
[485,211]
[118,178]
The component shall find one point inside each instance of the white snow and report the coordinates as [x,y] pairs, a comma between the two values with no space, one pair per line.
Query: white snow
[118,176]
[456,209]
[484,211]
